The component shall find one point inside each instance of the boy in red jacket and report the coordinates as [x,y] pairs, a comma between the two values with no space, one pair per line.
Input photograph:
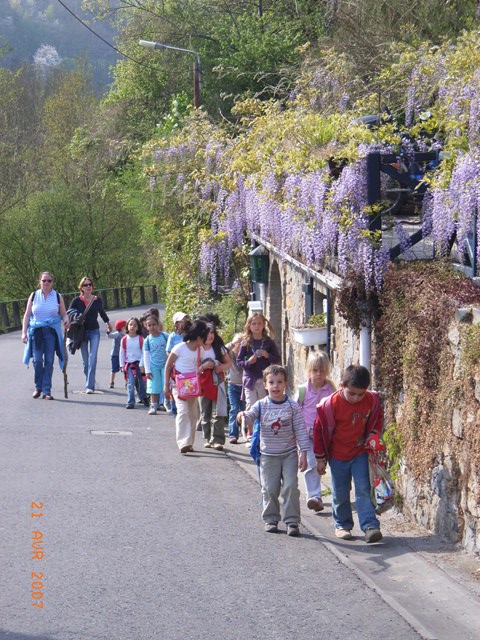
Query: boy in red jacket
[344,422]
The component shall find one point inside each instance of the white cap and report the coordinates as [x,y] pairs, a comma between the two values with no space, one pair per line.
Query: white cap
[179,316]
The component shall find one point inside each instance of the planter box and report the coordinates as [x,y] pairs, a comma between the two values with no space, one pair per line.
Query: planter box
[310,336]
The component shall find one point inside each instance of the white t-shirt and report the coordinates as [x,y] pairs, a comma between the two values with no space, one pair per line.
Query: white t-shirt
[187,360]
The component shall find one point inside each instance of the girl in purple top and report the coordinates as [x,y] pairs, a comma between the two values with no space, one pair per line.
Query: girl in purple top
[308,396]
[257,352]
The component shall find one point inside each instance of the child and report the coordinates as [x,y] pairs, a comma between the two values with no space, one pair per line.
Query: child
[155,357]
[257,352]
[215,361]
[131,362]
[283,439]
[345,420]
[235,388]
[308,396]
[116,336]
[185,358]
[180,322]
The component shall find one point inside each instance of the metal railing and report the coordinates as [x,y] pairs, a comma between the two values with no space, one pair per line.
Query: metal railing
[12,311]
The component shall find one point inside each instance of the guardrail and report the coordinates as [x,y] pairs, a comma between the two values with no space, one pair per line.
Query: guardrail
[12,311]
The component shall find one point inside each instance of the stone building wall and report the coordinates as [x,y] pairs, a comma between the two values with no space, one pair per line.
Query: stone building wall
[285,308]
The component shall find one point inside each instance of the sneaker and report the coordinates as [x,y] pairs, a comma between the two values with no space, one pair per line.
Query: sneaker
[293,530]
[233,440]
[162,408]
[271,527]
[207,445]
[89,391]
[191,449]
[373,535]
[169,412]
[37,393]
[315,504]
[343,534]
[185,449]
[217,446]
[248,445]
[112,385]
[152,411]
[130,406]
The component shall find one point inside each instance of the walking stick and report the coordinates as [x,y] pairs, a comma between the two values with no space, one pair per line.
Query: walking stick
[65,362]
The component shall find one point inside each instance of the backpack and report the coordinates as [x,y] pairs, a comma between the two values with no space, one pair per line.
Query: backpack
[124,343]
[302,390]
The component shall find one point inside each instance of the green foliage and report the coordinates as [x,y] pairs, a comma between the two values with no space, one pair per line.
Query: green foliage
[60,231]
[470,347]
[393,441]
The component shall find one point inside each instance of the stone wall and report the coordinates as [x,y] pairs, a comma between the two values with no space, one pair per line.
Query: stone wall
[448,501]
[285,308]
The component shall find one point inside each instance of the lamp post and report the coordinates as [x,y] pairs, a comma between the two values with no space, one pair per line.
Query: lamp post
[196,65]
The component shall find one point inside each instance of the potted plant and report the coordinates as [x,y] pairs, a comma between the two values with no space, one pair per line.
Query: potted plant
[313,332]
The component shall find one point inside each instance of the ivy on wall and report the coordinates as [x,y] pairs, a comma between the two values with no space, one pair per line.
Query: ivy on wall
[415,364]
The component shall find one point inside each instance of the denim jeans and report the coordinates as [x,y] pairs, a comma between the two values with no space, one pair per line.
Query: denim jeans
[43,357]
[236,405]
[142,394]
[89,356]
[342,473]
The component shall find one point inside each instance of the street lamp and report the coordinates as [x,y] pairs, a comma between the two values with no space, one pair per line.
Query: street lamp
[196,65]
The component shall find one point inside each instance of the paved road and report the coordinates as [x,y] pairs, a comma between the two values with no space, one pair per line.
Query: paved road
[136,542]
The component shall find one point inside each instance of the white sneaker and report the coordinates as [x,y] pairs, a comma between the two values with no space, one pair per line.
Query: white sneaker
[89,391]
[343,534]
[152,411]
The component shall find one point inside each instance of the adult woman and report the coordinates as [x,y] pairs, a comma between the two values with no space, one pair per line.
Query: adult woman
[185,358]
[91,337]
[42,333]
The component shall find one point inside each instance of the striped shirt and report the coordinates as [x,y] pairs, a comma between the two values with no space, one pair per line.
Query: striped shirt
[44,308]
[282,429]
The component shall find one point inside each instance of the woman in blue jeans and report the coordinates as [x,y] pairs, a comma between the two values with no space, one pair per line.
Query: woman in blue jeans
[42,333]
[91,337]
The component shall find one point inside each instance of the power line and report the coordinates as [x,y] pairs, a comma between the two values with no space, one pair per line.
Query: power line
[103,39]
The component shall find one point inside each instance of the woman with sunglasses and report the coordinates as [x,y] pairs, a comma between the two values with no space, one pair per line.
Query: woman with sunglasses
[42,333]
[91,337]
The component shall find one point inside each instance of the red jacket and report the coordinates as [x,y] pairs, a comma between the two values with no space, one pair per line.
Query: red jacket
[325,423]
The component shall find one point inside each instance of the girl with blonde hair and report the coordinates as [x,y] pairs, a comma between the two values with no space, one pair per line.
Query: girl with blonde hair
[257,352]
[308,395]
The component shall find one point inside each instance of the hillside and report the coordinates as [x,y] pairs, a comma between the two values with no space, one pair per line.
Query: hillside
[26,26]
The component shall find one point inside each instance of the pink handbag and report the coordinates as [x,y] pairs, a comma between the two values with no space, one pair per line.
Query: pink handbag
[188,384]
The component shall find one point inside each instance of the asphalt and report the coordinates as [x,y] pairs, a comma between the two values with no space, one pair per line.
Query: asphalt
[436,603]
[139,549]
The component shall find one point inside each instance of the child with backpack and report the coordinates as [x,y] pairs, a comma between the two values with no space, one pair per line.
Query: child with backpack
[131,362]
[116,336]
[308,396]
[345,422]
[155,358]
[283,446]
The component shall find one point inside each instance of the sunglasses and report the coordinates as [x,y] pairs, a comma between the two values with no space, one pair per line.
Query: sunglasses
[87,284]
[46,280]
